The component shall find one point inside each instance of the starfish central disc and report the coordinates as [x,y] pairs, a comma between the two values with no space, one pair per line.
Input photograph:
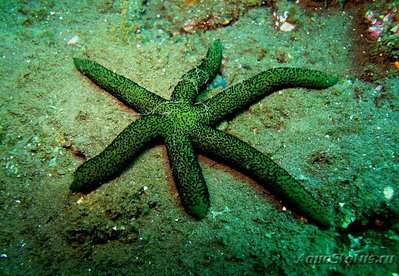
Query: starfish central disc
[182,116]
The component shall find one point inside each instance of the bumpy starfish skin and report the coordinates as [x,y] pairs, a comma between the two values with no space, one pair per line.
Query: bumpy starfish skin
[184,126]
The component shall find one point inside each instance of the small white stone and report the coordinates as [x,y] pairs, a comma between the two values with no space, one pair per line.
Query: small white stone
[73,40]
[80,200]
[388,192]
[287,27]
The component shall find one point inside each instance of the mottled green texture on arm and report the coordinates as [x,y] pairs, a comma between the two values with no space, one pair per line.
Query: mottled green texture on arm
[240,96]
[129,92]
[250,161]
[187,175]
[190,84]
[112,160]
[185,125]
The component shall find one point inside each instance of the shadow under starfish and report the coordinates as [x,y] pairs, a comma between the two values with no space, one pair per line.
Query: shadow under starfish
[184,125]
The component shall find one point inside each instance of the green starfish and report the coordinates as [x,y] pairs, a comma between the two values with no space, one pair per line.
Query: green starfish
[184,125]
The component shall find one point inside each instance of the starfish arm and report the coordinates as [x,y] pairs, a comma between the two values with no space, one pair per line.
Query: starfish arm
[190,84]
[123,148]
[188,176]
[251,161]
[129,92]
[239,96]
